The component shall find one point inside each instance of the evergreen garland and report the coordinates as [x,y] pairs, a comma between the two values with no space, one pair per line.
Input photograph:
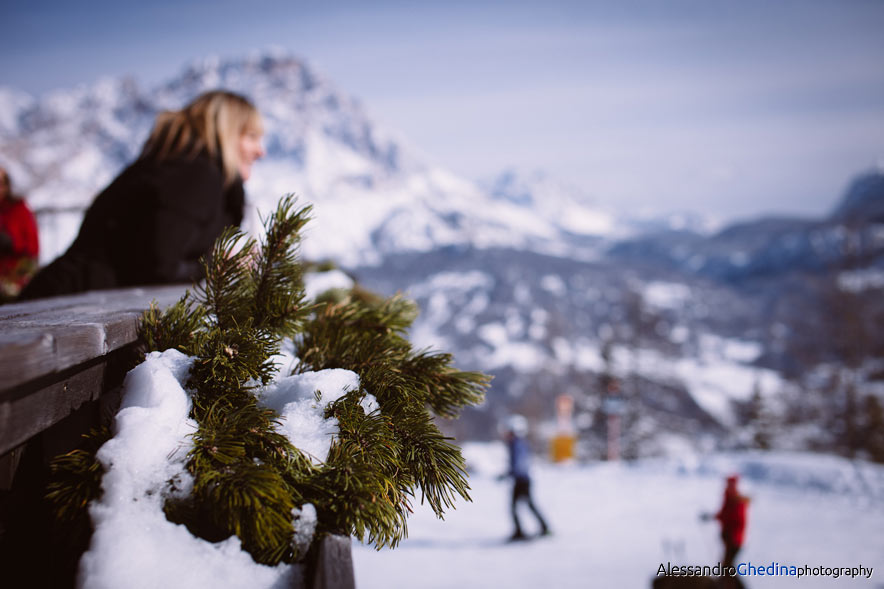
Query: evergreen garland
[368,337]
[76,480]
[248,477]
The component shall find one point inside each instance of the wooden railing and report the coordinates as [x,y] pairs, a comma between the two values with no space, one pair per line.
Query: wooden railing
[62,362]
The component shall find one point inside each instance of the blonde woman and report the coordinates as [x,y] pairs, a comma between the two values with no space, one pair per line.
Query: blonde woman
[165,211]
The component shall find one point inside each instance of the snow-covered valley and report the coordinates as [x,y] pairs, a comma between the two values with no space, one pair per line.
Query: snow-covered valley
[614,524]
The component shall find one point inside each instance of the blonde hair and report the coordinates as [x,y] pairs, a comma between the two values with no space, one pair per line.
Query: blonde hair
[213,122]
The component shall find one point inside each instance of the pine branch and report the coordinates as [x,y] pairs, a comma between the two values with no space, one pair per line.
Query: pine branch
[446,389]
[248,477]
[367,337]
[228,288]
[279,291]
[233,359]
[75,478]
[176,327]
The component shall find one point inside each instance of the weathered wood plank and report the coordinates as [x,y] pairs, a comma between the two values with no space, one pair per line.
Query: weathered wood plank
[51,335]
[23,355]
[93,302]
[334,566]
[23,416]
[57,348]
[54,354]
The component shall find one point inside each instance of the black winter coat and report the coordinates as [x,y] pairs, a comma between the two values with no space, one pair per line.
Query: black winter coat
[150,226]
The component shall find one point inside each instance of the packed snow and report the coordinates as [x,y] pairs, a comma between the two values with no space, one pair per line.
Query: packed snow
[302,410]
[145,463]
[614,524]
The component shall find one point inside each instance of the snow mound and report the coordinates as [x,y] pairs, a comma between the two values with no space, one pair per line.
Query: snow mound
[303,411]
[133,544]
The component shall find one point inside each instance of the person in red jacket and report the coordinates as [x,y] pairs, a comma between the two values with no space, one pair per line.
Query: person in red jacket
[732,517]
[19,244]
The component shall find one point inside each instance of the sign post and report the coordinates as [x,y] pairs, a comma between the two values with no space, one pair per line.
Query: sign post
[562,447]
[613,406]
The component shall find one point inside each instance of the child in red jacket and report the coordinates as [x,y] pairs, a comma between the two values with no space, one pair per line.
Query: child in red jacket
[732,517]
[19,244]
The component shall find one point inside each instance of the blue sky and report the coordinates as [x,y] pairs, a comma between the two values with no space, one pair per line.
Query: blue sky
[730,108]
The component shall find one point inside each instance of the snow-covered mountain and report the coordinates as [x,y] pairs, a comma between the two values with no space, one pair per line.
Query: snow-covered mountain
[749,335]
[852,234]
[762,334]
[373,193]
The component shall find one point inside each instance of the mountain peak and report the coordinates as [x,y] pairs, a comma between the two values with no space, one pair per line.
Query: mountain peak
[864,200]
[566,206]
[373,194]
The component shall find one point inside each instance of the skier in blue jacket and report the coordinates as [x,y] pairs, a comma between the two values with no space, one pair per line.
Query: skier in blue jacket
[519,469]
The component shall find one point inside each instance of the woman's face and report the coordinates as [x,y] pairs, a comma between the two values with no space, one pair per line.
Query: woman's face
[250,149]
